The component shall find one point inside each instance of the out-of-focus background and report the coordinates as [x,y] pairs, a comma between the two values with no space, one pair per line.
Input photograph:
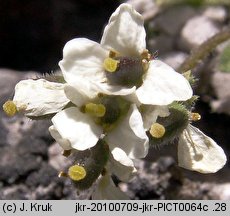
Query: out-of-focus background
[32,36]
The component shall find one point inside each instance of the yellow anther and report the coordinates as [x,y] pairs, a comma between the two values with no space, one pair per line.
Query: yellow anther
[113,54]
[157,130]
[110,65]
[195,116]
[97,110]
[77,173]
[62,174]
[146,55]
[9,108]
[145,64]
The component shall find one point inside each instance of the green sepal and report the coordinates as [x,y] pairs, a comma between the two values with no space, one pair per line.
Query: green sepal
[116,109]
[189,76]
[190,103]
[94,161]
[51,115]
[174,124]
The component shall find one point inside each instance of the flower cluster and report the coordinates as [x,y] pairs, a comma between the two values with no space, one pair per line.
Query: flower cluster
[114,101]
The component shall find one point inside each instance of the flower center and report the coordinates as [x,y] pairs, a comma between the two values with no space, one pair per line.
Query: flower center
[126,71]
[107,110]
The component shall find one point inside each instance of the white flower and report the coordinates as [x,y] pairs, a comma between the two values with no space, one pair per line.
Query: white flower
[73,129]
[198,152]
[120,165]
[130,135]
[151,113]
[39,97]
[120,64]
[106,190]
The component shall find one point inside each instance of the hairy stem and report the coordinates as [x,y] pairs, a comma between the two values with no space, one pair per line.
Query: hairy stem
[199,53]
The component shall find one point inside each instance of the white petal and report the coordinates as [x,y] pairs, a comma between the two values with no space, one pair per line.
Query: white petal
[106,190]
[198,152]
[132,98]
[82,64]
[125,32]
[162,85]
[78,128]
[64,143]
[39,97]
[83,92]
[151,113]
[121,165]
[113,89]
[83,59]
[130,135]
[80,93]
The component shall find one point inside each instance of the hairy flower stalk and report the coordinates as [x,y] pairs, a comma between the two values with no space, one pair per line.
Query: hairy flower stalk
[113,101]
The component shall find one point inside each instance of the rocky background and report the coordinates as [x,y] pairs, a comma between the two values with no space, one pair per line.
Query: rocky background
[32,35]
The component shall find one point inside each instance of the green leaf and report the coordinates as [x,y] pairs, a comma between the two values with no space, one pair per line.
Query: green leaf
[224,63]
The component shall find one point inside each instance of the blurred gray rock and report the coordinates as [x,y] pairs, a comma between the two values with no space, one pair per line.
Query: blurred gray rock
[217,13]
[196,31]
[220,83]
[56,159]
[171,20]
[162,43]
[221,192]
[174,59]
[153,180]
[163,179]
[147,8]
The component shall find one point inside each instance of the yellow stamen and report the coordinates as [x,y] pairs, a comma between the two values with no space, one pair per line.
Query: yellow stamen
[157,130]
[62,174]
[113,54]
[195,116]
[9,108]
[97,110]
[146,55]
[145,64]
[77,173]
[110,65]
